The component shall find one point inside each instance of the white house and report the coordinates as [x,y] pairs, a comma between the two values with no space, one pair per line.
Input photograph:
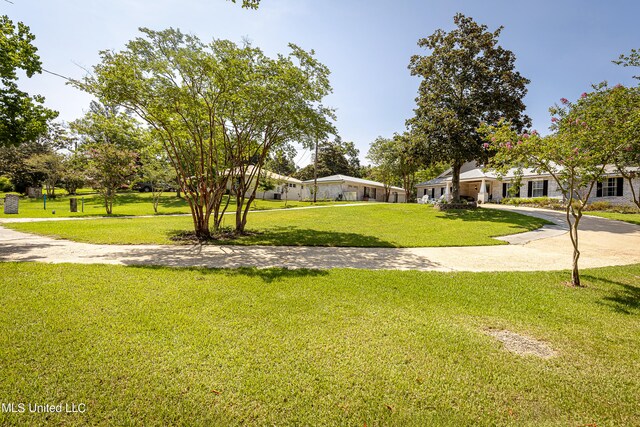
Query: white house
[343,187]
[286,187]
[480,186]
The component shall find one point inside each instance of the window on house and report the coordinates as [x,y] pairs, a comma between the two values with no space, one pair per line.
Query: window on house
[508,190]
[425,192]
[292,186]
[610,187]
[537,189]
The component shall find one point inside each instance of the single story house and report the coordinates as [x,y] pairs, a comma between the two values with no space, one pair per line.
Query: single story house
[481,186]
[343,187]
[285,187]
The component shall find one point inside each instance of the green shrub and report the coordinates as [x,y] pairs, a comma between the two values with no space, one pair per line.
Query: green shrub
[599,206]
[536,202]
[5,184]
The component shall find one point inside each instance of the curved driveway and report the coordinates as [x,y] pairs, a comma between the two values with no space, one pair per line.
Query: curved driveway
[603,243]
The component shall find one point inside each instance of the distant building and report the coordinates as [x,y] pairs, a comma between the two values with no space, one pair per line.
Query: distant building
[485,187]
[343,187]
[285,187]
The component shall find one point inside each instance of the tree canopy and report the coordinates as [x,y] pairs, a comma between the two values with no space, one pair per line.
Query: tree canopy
[219,109]
[467,79]
[23,118]
[630,60]
[105,124]
[335,157]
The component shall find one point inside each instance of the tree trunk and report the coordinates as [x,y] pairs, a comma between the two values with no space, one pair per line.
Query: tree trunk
[573,233]
[634,196]
[107,202]
[455,181]
[200,221]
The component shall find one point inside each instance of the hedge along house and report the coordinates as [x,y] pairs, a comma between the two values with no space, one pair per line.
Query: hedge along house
[483,187]
[343,187]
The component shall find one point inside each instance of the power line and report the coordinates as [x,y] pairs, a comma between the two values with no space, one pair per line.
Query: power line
[58,75]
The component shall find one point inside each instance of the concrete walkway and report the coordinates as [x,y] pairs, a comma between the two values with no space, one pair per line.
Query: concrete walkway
[603,242]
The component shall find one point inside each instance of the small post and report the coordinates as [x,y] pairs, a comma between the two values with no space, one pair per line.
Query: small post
[44,198]
[83,204]
[73,204]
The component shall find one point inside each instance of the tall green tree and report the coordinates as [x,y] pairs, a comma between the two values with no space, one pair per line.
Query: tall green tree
[335,157]
[219,110]
[281,161]
[107,124]
[467,79]
[23,118]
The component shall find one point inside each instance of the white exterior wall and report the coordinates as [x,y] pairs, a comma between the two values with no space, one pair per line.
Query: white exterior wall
[625,199]
[554,191]
[350,191]
[420,190]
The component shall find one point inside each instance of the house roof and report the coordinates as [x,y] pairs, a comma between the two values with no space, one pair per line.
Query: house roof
[434,181]
[346,178]
[273,175]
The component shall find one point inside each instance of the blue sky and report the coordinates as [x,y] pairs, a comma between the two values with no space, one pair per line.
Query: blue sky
[561,46]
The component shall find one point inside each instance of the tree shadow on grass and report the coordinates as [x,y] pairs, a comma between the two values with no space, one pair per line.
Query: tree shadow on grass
[624,298]
[514,220]
[267,275]
[293,236]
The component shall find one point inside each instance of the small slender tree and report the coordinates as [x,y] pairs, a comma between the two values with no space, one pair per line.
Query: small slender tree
[576,154]
[383,154]
[110,168]
[156,171]
[73,175]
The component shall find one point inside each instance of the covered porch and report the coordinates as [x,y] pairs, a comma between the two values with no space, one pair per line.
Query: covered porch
[473,190]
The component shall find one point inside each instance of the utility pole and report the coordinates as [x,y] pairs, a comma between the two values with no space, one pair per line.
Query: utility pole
[315,174]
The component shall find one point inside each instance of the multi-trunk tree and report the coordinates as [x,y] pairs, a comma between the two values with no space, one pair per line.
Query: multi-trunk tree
[219,109]
[467,79]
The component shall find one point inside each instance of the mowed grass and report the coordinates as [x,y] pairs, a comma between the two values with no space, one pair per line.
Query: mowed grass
[633,218]
[373,225]
[160,346]
[130,203]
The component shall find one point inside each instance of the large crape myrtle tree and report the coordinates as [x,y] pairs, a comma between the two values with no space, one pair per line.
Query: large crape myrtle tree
[219,109]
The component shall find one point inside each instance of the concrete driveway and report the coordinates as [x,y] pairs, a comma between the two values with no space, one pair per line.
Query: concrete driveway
[603,242]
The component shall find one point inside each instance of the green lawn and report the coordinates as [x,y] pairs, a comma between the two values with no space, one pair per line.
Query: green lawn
[375,225]
[633,218]
[131,203]
[160,346]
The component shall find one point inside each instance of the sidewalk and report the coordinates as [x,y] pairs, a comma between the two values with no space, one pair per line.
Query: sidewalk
[603,243]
